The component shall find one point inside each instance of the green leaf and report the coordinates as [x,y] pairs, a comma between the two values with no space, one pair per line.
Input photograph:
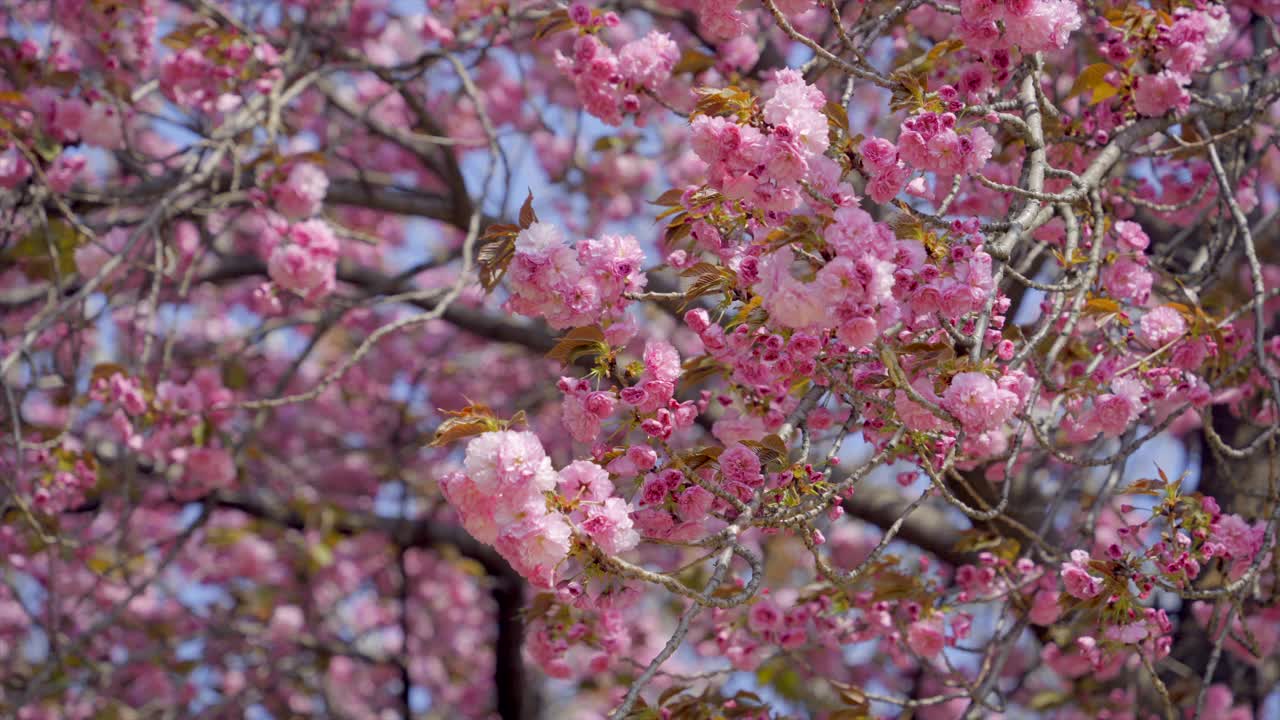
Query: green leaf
[200,433]
[320,554]
[234,375]
[100,561]
[33,252]
[1048,699]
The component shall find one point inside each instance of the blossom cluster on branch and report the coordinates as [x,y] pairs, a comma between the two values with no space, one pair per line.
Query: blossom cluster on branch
[845,359]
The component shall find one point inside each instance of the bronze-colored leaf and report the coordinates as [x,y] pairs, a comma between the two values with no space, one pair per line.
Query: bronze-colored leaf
[104,371]
[495,256]
[693,62]
[669,693]
[697,369]
[852,695]
[669,198]
[698,457]
[837,115]
[455,429]
[579,343]
[474,419]
[556,21]
[707,278]
[1101,306]
[527,215]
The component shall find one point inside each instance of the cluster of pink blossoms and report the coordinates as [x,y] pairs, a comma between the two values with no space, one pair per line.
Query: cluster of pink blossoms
[66,118]
[853,293]
[763,166]
[302,192]
[653,395]
[1079,581]
[981,405]
[561,649]
[720,19]
[1033,25]
[609,84]
[764,361]
[1124,570]
[1184,48]
[901,629]
[585,409]
[304,259]
[887,174]
[501,497]
[573,288]
[604,518]
[90,119]
[1128,277]
[167,427]
[929,141]
[978,402]
[62,488]
[206,467]
[207,76]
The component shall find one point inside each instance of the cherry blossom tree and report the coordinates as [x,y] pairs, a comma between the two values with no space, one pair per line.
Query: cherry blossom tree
[639,359]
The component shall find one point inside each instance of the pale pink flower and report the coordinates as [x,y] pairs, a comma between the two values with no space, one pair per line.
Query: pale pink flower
[1044,608]
[1131,235]
[926,637]
[1160,326]
[14,169]
[1158,94]
[509,463]
[661,361]
[978,402]
[1126,279]
[1112,413]
[307,263]
[203,471]
[878,155]
[764,616]
[535,546]
[647,62]
[585,480]
[739,463]
[302,193]
[1045,25]
[609,525]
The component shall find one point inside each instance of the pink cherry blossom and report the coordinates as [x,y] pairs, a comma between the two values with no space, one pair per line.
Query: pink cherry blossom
[1077,579]
[1158,94]
[1160,326]
[978,402]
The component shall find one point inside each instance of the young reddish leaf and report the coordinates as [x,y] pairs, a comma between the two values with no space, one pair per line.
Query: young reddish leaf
[669,198]
[578,343]
[527,215]
[474,419]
